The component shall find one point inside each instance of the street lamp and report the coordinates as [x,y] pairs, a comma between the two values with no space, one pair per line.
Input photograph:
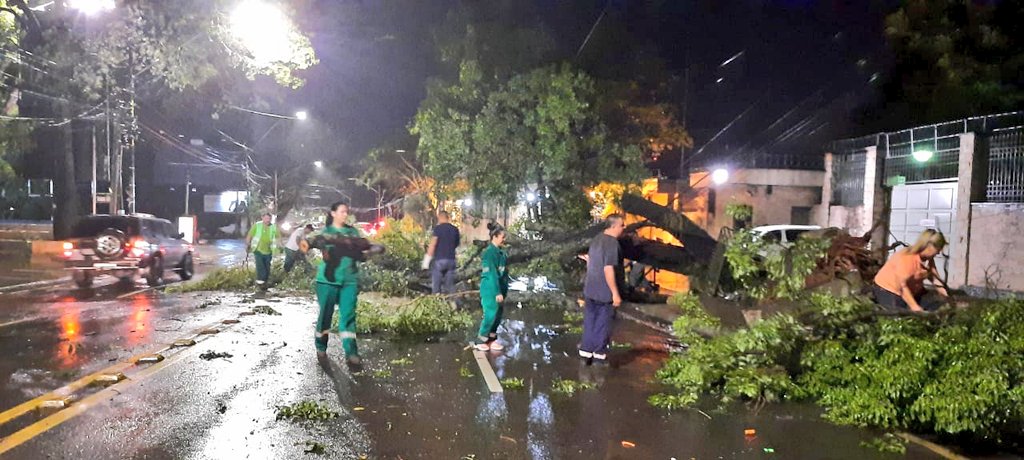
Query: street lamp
[263,29]
[720,176]
[301,115]
[922,155]
[318,164]
[91,7]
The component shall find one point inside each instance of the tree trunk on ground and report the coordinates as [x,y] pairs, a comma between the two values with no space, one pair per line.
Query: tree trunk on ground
[67,211]
[695,240]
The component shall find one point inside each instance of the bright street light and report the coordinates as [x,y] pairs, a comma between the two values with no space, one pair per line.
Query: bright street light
[922,155]
[720,176]
[263,29]
[91,7]
[467,202]
[318,164]
[301,115]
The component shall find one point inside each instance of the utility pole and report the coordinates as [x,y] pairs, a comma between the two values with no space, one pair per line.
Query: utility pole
[93,185]
[116,162]
[188,187]
[277,206]
[130,196]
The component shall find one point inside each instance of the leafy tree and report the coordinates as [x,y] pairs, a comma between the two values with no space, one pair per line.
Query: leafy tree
[956,58]
[141,49]
[541,127]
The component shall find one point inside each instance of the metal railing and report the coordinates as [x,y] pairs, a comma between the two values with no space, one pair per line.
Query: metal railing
[848,178]
[1006,167]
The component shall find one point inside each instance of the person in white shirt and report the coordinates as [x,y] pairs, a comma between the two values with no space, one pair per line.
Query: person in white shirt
[293,253]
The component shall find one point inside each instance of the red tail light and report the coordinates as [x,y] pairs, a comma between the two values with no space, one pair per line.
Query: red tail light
[68,246]
[138,247]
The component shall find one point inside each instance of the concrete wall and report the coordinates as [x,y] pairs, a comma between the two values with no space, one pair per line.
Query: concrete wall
[771,204]
[855,219]
[996,253]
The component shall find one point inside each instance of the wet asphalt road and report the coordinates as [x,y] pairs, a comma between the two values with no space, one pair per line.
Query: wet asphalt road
[419,407]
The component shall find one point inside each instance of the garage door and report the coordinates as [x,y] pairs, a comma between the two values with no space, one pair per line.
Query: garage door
[916,207]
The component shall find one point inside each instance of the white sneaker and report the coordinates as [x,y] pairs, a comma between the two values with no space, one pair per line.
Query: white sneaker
[495,346]
[481,347]
[586,354]
[600,357]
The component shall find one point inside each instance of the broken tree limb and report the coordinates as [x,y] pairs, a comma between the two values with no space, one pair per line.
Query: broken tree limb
[695,240]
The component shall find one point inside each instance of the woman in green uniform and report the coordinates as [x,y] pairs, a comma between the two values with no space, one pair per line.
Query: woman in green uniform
[493,289]
[337,284]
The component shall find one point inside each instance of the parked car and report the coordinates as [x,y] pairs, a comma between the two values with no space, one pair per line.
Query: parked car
[784,235]
[126,246]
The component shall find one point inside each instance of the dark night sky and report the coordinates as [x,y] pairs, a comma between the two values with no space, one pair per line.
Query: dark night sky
[801,77]
[798,55]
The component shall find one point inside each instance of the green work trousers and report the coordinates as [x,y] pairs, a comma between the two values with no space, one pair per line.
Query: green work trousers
[492,318]
[345,297]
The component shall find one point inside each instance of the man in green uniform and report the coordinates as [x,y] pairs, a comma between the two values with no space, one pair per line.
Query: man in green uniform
[493,290]
[337,284]
[264,234]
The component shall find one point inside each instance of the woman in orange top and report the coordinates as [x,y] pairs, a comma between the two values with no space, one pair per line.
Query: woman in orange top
[900,282]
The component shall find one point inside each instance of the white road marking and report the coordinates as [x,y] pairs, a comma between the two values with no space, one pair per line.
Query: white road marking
[485,369]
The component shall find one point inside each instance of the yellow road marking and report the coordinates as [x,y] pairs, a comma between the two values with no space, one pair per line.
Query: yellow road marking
[66,390]
[75,386]
[485,369]
[76,409]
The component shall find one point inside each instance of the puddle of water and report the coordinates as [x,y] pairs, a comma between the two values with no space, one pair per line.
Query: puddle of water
[427,410]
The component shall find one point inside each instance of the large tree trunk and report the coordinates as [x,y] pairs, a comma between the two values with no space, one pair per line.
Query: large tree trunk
[695,240]
[67,211]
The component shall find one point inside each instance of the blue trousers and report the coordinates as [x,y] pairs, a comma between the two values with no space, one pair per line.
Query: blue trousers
[442,276]
[597,326]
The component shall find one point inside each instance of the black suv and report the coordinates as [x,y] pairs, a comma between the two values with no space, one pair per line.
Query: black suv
[126,245]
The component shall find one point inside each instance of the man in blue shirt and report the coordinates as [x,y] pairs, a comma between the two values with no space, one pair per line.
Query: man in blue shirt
[443,243]
[601,293]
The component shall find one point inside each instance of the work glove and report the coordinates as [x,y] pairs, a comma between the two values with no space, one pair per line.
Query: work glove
[426,261]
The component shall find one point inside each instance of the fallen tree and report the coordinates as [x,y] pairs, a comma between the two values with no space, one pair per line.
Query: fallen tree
[698,243]
[954,373]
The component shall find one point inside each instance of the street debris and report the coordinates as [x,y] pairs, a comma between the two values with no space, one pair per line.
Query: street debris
[424,315]
[749,432]
[569,387]
[382,373]
[628,445]
[513,383]
[506,438]
[305,410]
[214,355]
[265,310]
[465,372]
[313,447]
[401,362]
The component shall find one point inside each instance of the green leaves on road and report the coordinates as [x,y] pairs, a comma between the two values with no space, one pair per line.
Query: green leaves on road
[305,410]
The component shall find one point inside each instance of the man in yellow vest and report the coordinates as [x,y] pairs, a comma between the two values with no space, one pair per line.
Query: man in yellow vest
[261,241]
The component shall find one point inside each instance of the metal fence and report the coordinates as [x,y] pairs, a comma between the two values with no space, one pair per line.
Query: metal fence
[1005,150]
[943,140]
[848,179]
[1006,167]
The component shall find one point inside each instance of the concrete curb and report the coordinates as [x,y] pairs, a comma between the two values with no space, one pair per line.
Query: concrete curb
[34,284]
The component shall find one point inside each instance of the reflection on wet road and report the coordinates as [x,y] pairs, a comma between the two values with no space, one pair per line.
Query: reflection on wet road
[413,400]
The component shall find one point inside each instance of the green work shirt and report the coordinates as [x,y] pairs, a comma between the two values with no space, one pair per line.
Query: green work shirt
[347,270]
[263,237]
[494,274]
